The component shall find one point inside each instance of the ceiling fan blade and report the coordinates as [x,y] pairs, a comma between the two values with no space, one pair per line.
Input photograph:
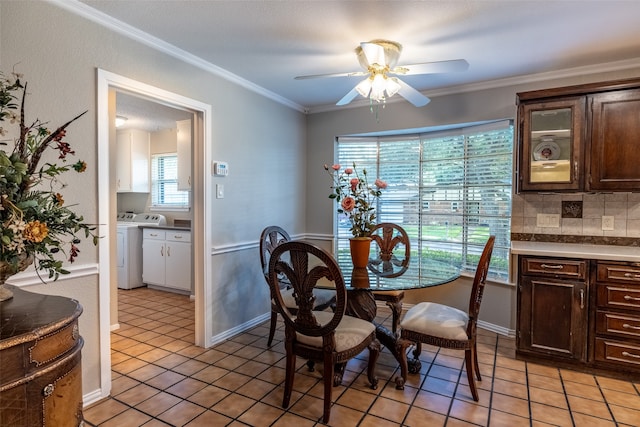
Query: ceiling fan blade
[412,95]
[348,97]
[374,53]
[437,67]
[321,76]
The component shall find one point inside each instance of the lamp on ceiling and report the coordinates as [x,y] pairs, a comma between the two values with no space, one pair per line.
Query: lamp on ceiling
[120,120]
[377,85]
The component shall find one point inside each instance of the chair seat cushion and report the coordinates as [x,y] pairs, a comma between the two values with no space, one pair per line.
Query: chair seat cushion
[323,297]
[350,332]
[438,320]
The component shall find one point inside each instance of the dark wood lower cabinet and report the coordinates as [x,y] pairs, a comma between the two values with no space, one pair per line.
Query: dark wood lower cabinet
[40,372]
[580,313]
[617,316]
[552,308]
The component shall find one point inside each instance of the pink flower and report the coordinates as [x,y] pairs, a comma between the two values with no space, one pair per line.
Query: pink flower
[380,184]
[348,203]
[354,183]
[335,167]
[348,171]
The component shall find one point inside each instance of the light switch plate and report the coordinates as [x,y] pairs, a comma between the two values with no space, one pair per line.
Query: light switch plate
[219,191]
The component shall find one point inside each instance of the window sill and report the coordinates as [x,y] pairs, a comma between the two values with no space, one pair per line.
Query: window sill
[169,208]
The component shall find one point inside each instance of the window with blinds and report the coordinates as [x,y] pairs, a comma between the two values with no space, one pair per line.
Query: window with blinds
[164,183]
[449,190]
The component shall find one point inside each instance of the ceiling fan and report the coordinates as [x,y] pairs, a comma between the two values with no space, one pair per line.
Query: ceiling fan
[380,58]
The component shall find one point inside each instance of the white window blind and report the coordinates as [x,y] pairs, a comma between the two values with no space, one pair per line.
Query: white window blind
[449,190]
[164,182]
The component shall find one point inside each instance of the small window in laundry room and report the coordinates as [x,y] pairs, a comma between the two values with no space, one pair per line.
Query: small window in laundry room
[164,183]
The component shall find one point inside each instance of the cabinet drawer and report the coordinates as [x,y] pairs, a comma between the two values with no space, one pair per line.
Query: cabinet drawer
[621,325]
[178,236]
[50,347]
[629,274]
[618,353]
[568,268]
[621,297]
[153,234]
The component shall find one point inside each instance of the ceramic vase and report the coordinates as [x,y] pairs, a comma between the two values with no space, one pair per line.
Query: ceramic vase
[359,247]
[6,271]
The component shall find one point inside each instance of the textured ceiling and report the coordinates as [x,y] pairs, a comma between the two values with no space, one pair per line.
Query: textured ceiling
[268,43]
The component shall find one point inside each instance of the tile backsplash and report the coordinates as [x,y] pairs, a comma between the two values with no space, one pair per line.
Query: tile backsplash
[624,207]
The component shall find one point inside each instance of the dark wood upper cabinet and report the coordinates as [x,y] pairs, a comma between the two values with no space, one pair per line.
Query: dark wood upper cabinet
[579,138]
[614,156]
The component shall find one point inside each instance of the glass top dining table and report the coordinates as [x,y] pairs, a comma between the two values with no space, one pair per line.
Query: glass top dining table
[428,273]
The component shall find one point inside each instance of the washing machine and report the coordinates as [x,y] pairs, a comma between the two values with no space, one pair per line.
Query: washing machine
[129,246]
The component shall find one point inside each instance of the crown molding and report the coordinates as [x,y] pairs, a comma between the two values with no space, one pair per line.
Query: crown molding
[147,39]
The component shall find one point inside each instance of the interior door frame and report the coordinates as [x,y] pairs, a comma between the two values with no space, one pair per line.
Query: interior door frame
[107,82]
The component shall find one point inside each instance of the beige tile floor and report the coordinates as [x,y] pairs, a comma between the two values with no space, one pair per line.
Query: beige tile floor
[161,378]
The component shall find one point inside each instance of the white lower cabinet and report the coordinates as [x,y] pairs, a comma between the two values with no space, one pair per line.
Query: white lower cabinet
[166,258]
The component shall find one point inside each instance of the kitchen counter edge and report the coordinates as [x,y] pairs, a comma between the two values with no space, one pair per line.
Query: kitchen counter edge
[575,250]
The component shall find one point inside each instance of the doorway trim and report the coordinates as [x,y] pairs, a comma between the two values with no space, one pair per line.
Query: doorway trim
[201,189]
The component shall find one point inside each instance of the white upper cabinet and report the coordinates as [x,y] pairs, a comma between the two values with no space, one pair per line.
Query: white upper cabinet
[132,169]
[184,143]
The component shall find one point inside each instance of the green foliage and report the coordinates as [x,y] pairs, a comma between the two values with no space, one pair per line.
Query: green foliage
[35,221]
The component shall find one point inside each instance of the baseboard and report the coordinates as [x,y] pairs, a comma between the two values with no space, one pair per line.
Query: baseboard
[92,397]
[511,333]
[240,328]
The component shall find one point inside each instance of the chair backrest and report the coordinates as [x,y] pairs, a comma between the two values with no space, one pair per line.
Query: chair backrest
[304,265]
[392,251]
[479,279]
[270,237]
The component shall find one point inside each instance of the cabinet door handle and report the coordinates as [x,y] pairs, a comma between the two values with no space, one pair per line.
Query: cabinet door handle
[627,354]
[162,251]
[630,298]
[554,267]
[168,250]
[628,326]
[632,276]
[581,299]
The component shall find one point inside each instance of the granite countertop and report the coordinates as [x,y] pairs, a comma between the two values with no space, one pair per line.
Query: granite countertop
[577,250]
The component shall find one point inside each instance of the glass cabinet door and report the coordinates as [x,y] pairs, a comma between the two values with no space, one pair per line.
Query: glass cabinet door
[551,145]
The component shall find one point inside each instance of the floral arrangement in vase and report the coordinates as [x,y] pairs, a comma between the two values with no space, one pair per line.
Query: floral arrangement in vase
[355,197]
[36,223]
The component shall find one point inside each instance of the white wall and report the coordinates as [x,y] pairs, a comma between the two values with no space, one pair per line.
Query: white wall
[263,142]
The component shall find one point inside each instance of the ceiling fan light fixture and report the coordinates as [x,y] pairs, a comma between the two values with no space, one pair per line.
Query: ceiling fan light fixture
[364,87]
[379,60]
[378,86]
[392,86]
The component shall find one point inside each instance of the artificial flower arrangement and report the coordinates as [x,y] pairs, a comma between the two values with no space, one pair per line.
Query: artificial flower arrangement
[355,197]
[36,224]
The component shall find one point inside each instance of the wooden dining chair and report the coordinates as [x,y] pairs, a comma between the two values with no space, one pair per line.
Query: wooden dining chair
[323,336]
[444,326]
[391,254]
[271,237]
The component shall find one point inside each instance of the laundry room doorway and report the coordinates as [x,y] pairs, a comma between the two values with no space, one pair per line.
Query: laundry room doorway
[110,86]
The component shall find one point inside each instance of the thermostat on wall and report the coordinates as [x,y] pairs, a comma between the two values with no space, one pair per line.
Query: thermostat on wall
[220,168]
